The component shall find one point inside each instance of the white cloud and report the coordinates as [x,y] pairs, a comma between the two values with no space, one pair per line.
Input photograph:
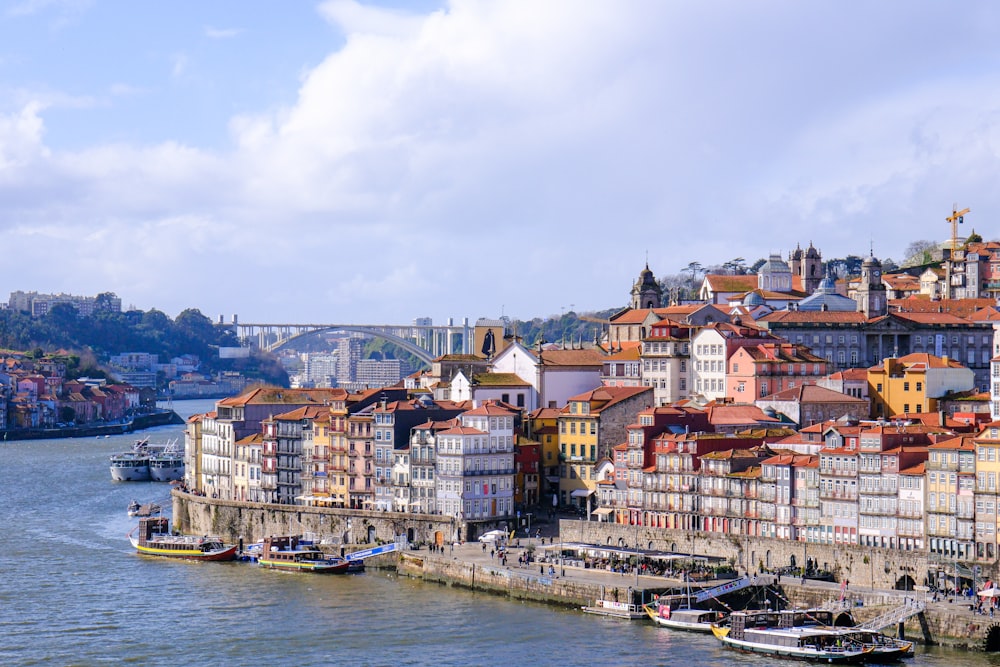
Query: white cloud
[221,33]
[523,155]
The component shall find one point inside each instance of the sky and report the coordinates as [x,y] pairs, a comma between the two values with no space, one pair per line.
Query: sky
[375,162]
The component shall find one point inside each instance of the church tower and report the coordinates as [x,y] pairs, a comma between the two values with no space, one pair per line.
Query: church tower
[812,270]
[871,296]
[808,266]
[646,292]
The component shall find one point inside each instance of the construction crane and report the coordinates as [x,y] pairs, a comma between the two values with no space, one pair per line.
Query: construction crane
[957,217]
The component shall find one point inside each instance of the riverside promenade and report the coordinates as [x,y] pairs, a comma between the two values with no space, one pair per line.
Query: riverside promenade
[950,622]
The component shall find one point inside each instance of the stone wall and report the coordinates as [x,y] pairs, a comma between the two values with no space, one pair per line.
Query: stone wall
[512,582]
[251,522]
[865,566]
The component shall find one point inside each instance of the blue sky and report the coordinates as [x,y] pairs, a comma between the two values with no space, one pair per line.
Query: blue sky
[377,162]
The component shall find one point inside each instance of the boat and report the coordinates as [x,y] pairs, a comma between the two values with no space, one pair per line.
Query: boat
[167,464]
[692,620]
[884,648]
[754,633]
[149,509]
[152,537]
[160,462]
[289,554]
[130,467]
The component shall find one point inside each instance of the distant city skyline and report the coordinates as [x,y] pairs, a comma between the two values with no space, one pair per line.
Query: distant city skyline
[384,161]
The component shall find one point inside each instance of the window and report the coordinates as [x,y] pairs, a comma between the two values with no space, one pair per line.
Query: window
[906,386]
[920,386]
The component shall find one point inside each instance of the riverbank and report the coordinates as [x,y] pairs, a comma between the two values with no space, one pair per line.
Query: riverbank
[950,624]
[135,423]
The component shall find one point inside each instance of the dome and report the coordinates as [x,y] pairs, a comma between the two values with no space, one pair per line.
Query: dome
[753,299]
[812,253]
[827,285]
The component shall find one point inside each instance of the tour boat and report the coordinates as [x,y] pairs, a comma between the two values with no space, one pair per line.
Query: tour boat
[130,466]
[153,537]
[160,462]
[287,553]
[166,462]
[813,643]
[692,620]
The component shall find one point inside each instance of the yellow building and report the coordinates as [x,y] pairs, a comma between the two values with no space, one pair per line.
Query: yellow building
[590,425]
[338,465]
[914,383]
[543,426]
[987,445]
[320,464]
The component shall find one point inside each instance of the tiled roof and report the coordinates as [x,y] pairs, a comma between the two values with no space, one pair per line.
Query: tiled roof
[737,284]
[499,380]
[818,317]
[605,397]
[587,357]
[922,304]
[462,430]
[931,318]
[489,409]
[810,393]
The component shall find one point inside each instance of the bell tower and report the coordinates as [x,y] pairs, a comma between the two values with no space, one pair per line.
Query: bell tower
[646,292]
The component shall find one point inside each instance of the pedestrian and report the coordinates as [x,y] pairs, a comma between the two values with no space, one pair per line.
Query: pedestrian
[492,552]
[484,547]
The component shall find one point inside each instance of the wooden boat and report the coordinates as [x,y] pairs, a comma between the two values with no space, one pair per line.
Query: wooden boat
[152,537]
[289,554]
[884,648]
[149,509]
[691,620]
[812,643]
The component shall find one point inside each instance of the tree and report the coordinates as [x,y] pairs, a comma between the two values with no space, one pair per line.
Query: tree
[695,268]
[920,252]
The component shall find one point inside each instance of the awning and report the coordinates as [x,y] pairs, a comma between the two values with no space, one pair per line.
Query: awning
[581,493]
[551,480]
[603,511]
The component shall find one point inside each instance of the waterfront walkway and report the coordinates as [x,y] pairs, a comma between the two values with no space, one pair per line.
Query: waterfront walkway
[956,617]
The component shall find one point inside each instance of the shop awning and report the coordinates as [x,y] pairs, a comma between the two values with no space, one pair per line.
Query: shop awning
[603,511]
[551,480]
[581,493]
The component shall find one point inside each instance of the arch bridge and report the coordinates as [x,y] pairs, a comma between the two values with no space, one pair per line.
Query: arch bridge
[424,341]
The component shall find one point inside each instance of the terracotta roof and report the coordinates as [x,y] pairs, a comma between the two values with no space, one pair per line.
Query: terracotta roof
[915,470]
[956,307]
[816,316]
[587,357]
[545,413]
[629,353]
[961,442]
[722,415]
[738,284]
[810,393]
[489,409]
[931,318]
[282,396]
[462,430]
[305,412]
[604,397]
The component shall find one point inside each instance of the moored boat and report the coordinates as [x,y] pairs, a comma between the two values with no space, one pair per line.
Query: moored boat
[152,537]
[130,467]
[884,648]
[149,509]
[813,643]
[289,554]
[691,620]
[160,462]
[166,464]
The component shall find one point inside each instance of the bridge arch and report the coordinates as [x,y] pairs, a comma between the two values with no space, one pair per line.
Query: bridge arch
[409,346]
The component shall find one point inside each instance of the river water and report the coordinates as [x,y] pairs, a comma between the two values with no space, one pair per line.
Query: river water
[73,592]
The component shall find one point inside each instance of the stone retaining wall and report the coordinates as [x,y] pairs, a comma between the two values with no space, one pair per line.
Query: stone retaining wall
[865,566]
[520,584]
[251,522]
